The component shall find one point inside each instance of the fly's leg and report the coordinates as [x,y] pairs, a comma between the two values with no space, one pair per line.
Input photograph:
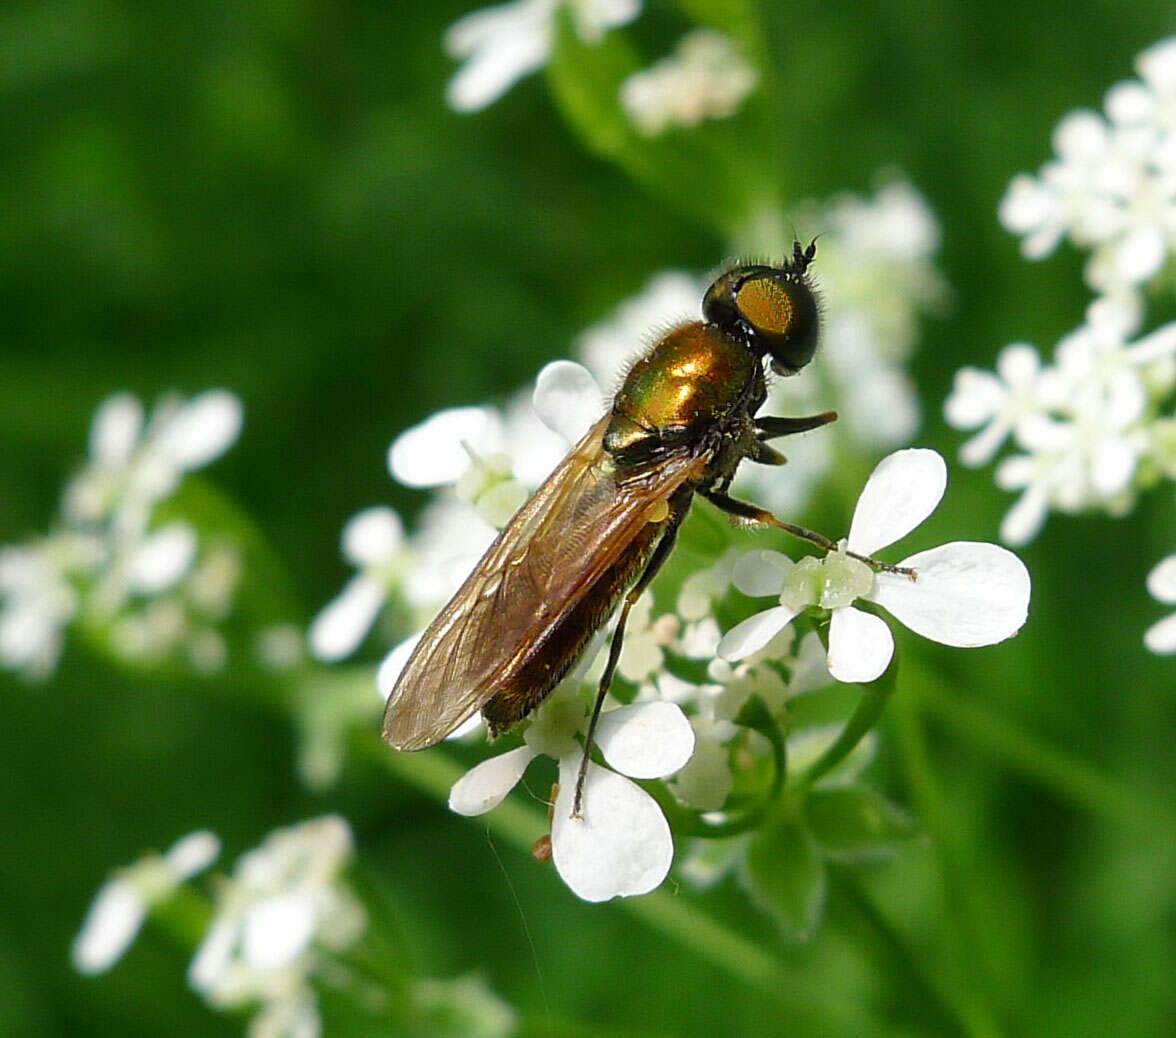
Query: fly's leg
[656,560]
[770,428]
[746,510]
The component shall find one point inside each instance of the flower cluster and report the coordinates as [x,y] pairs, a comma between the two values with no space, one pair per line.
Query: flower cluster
[705,78]
[1093,425]
[148,588]
[1112,187]
[280,927]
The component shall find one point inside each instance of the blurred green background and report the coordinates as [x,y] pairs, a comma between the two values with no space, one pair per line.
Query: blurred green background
[273,197]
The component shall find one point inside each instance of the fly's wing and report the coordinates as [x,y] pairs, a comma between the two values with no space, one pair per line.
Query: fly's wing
[558,544]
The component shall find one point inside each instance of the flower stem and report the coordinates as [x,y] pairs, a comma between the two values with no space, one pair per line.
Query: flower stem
[865,716]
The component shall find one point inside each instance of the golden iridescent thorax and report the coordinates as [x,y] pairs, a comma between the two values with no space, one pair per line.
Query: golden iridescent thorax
[691,377]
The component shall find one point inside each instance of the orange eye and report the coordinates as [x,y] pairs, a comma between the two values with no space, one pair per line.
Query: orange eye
[766,305]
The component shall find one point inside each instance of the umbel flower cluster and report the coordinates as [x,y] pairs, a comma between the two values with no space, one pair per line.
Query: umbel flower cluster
[1093,426]
[694,690]
[143,586]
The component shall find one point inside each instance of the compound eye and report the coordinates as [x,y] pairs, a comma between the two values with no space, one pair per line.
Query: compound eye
[783,315]
[766,305]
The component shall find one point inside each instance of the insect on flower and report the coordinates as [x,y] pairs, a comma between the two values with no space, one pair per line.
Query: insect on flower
[598,530]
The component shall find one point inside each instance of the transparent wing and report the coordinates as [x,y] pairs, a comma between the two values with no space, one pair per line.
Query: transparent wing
[574,527]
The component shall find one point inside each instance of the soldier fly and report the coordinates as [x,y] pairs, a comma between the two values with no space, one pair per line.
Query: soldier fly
[598,530]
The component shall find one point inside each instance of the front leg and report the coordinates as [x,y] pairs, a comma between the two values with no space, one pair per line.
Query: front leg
[770,428]
[746,510]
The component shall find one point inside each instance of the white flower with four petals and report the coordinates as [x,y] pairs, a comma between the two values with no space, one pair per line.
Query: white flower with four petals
[962,594]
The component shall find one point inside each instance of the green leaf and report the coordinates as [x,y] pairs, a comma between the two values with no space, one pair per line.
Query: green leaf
[720,173]
[854,821]
[785,876]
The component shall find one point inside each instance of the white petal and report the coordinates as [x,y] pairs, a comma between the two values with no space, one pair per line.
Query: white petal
[436,451]
[116,428]
[860,645]
[393,664]
[755,632]
[759,573]
[372,536]
[486,785]
[1161,581]
[111,924]
[468,727]
[341,625]
[277,930]
[192,854]
[203,429]
[1160,638]
[966,594]
[622,844]
[496,67]
[901,492]
[1024,520]
[567,399]
[646,740]
[163,557]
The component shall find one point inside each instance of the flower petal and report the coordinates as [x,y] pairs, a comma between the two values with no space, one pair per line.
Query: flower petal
[343,622]
[111,924]
[1161,581]
[567,399]
[755,632]
[204,428]
[115,431]
[162,558]
[622,844]
[1160,638]
[436,451]
[646,740]
[966,594]
[760,573]
[485,786]
[902,491]
[192,854]
[860,645]
[372,536]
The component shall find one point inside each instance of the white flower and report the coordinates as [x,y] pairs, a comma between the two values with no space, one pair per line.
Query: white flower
[118,910]
[373,541]
[38,599]
[501,44]
[705,78]
[964,594]
[1161,582]
[621,846]
[996,402]
[284,905]
[1112,187]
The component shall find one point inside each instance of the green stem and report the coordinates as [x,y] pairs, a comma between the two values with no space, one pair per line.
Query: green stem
[734,954]
[863,719]
[1067,776]
[964,947]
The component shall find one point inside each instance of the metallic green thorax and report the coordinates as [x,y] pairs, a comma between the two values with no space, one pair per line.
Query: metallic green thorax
[690,382]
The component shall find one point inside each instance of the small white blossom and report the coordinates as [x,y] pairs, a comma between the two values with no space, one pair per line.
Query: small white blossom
[1161,582]
[1112,186]
[621,846]
[284,907]
[373,541]
[1088,425]
[501,44]
[117,912]
[964,594]
[705,78]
